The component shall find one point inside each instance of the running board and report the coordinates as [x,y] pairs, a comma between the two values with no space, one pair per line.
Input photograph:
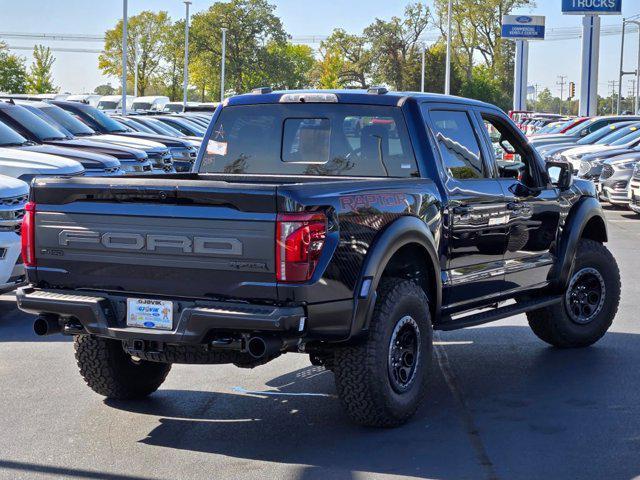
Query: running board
[449,323]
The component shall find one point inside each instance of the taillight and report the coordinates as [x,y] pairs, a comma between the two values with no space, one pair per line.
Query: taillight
[28,235]
[299,241]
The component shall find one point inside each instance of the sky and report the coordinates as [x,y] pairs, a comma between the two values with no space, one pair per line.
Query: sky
[78,72]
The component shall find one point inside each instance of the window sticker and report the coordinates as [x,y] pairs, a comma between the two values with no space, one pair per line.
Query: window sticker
[216,148]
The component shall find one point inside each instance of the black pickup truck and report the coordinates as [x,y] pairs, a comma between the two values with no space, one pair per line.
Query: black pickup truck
[346,225]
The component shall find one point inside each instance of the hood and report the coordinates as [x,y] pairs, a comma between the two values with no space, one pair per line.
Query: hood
[12,187]
[584,150]
[125,140]
[163,140]
[553,148]
[604,154]
[89,160]
[120,152]
[547,138]
[626,157]
[17,163]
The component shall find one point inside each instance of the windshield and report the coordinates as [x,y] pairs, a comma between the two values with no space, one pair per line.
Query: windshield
[578,128]
[94,116]
[29,121]
[137,126]
[158,127]
[310,139]
[185,127]
[66,120]
[593,137]
[628,138]
[9,137]
[107,105]
[141,106]
[615,135]
[174,108]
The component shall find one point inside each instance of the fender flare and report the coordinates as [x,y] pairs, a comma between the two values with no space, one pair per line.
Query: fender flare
[573,229]
[403,231]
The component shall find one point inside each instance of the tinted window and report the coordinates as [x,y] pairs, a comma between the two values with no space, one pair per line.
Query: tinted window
[68,121]
[9,137]
[632,134]
[34,124]
[311,139]
[458,144]
[597,135]
[95,118]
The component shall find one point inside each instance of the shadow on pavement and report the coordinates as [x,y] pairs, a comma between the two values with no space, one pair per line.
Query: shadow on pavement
[538,412]
[17,326]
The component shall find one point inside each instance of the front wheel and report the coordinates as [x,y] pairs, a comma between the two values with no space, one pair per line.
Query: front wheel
[589,303]
[382,381]
[113,373]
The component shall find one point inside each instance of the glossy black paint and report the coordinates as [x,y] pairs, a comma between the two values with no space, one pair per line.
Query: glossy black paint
[473,242]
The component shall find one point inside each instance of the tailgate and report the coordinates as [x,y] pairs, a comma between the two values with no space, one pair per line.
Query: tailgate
[179,238]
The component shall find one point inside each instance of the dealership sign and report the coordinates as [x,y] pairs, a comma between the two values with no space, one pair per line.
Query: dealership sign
[523,27]
[585,7]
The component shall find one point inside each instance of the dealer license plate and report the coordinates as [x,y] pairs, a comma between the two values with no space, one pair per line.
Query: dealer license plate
[148,313]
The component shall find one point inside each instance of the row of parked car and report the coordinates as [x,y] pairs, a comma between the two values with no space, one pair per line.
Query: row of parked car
[67,137]
[605,150]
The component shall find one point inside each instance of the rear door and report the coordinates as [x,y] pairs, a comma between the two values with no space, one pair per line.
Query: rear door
[177,238]
[475,211]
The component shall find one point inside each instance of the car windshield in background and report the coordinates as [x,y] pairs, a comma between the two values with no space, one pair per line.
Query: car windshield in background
[173,108]
[599,134]
[615,135]
[106,105]
[578,128]
[9,137]
[141,106]
[68,121]
[310,139]
[136,126]
[159,127]
[102,120]
[37,126]
[628,138]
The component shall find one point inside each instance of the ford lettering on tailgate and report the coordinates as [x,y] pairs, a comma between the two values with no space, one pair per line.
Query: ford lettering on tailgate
[153,242]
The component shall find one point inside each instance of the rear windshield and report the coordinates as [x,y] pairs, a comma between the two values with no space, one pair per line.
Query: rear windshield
[310,139]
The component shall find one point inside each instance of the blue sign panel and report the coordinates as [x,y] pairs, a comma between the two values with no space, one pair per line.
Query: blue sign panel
[585,7]
[523,27]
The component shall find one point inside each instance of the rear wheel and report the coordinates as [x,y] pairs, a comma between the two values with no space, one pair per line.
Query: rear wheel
[111,372]
[589,303]
[382,381]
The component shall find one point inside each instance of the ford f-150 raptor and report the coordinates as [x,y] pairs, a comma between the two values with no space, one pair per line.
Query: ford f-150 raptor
[298,232]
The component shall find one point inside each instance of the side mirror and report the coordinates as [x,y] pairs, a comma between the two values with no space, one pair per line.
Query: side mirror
[560,174]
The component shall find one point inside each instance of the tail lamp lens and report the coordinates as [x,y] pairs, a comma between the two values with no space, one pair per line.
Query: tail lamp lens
[300,238]
[28,235]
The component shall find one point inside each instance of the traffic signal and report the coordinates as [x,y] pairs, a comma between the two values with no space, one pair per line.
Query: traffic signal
[572,90]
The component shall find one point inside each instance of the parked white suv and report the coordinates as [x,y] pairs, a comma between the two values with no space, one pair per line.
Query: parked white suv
[150,104]
[113,103]
[13,197]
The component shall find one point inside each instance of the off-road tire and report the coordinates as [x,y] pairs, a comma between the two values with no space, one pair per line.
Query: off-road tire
[111,372]
[362,376]
[554,325]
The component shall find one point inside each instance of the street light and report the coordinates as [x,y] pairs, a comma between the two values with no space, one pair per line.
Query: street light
[125,20]
[185,82]
[422,50]
[136,58]
[447,73]
[224,55]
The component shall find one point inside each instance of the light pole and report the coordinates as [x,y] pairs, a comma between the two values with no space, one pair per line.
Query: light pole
[422,49]
[136,57]
[185,82]
[224,59]
[447,72]
[124,56]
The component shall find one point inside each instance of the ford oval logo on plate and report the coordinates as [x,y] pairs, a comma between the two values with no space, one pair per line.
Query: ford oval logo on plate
[149,324]
[524,19]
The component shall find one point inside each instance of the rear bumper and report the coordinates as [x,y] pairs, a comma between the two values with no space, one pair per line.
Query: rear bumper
[194,322]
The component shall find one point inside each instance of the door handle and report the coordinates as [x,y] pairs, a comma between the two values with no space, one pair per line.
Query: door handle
[462,210]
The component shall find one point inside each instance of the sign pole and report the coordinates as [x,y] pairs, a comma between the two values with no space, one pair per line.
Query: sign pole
[521,72]
[590,61]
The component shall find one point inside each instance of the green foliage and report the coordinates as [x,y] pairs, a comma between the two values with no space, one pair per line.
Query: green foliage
[484,85]
[105,89]
[13,73]
[40,78]
[350,55]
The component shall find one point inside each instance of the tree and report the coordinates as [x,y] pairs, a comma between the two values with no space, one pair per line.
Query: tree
[355,56]
[150,30]
[40,78]
[251,27]
[103,90]
[290,66]
[396,45]
[13,73]
[173,54]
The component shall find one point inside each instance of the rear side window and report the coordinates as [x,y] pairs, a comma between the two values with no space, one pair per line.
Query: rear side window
[310,139]
[458,144]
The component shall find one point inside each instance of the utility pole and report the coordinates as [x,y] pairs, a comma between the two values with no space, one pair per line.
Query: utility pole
[447,72]
[224,60]
[561,83]
[632,92]
[185,81]
[422,49]
[136,56]
[635,72]
[612,85]
[125,21]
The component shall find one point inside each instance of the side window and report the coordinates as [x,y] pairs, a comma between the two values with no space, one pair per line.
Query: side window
[458,144]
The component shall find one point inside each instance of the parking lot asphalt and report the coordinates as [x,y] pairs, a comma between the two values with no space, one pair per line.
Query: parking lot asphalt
[502,405]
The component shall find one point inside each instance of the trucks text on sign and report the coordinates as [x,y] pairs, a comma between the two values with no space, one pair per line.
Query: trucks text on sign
[601,7]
